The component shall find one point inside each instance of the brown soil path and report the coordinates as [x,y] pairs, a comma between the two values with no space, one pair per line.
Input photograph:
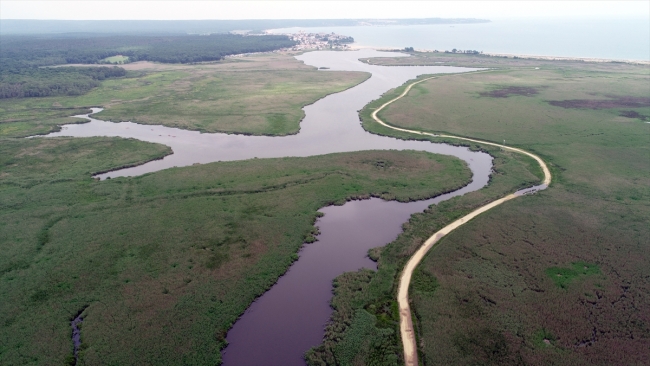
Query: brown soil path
[406,323]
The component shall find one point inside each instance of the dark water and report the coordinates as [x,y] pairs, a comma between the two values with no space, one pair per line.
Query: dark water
[76,334]
[289,319]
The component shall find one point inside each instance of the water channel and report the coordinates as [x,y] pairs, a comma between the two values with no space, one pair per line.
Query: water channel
[289,318]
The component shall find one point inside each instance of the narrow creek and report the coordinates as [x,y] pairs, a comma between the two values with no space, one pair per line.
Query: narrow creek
[289,318]
[75,324]
[76,335]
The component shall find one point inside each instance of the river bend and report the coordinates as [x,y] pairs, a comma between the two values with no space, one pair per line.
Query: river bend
[289,318]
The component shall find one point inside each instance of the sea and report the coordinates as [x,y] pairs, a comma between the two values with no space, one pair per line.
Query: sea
[613,39]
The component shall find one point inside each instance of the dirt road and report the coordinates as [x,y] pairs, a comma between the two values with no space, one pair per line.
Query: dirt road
[406,323]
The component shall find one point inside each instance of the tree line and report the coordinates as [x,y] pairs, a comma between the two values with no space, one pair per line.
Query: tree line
[44,82]
[22,58]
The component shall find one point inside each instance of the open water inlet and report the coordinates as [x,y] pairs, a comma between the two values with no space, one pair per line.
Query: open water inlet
[281,325]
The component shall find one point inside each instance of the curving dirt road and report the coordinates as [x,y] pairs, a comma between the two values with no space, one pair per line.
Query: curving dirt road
[406,323]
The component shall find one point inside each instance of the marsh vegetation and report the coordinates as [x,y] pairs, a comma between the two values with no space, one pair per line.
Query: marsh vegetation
[169,259]
[258,95]
[24,59]
[195,245]
[558,277]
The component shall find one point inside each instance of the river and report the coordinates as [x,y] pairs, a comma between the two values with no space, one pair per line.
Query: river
[289,318]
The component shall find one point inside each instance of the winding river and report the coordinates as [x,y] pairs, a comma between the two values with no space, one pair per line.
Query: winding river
[289,318]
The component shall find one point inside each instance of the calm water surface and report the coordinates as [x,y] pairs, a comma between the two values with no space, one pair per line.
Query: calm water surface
[618,39]
[289,319]
[330,125]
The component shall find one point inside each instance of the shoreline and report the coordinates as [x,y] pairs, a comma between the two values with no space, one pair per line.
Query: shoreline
[139,65]
[355,47]
[568,58]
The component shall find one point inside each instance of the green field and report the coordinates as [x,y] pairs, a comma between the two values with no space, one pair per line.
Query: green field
[162,264]
[119,59]
[365,322]
[261,95]
[561,277]
[497,62]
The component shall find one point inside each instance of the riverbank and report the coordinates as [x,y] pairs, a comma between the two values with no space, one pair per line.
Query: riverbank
[407,330]
[121,247]
[507,261]
[261,95]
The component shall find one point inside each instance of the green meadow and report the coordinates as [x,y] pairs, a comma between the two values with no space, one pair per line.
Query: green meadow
[365,322]
[172,258]
[257,95]
[161,265]
[559,277]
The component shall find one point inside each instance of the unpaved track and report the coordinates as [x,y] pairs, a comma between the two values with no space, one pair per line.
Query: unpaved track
[406,323]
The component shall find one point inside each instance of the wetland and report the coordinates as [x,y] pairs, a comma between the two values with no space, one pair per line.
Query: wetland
[193,227]
[273,329]
[230,244]
[560,276]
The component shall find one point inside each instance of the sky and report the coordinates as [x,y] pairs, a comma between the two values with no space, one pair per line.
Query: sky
[182,10]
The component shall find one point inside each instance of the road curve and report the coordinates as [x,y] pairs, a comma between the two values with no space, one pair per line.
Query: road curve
[406,323]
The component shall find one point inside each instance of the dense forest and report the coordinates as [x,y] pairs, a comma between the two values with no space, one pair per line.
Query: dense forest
[44,82]
[22,58]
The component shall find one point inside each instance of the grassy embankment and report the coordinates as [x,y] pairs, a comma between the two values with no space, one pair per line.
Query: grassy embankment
[20,122]
[162,264]
[560,277]
[260,94]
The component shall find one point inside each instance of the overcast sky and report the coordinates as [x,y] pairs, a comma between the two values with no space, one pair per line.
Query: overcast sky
[85,9]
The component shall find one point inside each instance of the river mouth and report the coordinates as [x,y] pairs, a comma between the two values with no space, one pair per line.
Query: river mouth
[281,325]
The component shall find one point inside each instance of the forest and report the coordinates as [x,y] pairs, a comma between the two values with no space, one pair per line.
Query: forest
[44,82]
[22,58]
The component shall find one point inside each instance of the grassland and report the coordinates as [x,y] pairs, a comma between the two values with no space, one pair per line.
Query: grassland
[495,295]
[363,296]
[161,265]
[260,95]
[485,60]
[20,122]
[118,59]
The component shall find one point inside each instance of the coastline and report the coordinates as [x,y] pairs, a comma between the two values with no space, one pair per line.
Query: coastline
[568,58]
[354,47]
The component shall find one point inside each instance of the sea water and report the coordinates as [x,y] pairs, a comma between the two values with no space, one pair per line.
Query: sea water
[616,39]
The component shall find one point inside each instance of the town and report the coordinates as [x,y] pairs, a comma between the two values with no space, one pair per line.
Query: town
[320,41]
